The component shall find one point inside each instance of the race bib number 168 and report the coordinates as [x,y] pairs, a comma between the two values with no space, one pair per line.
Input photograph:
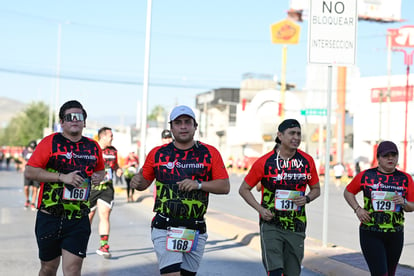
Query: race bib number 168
[181,239]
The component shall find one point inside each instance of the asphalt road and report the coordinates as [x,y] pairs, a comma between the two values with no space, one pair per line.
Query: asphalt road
[131,247]
[233,246]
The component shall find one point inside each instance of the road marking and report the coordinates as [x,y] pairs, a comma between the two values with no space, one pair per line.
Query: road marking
[5,216]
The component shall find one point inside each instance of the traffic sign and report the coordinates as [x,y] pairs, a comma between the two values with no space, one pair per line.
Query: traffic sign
[402,37]
[313,112]
[285,32]
[332,32]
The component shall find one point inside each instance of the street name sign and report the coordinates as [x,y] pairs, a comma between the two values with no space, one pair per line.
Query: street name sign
[313,112]
[332,32]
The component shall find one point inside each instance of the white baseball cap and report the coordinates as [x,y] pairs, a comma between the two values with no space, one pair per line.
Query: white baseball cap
[181,110]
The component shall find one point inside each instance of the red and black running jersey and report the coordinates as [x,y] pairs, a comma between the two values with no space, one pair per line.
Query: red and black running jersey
[275,173]
[55,153]
[110,155]
[167,165]
[370,181]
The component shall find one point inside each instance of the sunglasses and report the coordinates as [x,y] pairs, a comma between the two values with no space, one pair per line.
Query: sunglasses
[70,117]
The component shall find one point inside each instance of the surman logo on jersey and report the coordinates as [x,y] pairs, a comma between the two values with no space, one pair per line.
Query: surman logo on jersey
[170,165]
[378,185]
[70,155]
[179,165]
[109,156]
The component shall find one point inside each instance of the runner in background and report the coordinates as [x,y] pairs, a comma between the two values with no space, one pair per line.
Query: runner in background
[130,169]
[102,196]
[30,186]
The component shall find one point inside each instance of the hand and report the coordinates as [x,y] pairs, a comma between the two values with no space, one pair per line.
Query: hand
[363,215]
[299,200]
[97,178]
[265,214]
[73,178]
[137,181]
[398,199]
[187,185]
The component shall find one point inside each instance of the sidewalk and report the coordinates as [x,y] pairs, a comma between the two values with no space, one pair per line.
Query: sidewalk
[329,260]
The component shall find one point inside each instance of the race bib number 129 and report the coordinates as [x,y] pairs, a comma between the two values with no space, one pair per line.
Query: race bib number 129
[181,239]
[382,201]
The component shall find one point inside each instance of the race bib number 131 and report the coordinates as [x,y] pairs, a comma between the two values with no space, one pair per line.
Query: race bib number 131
[284,200]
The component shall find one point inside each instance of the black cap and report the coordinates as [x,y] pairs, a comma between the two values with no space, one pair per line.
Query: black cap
[386,147]
[166,133]
[288,123]
[32,144]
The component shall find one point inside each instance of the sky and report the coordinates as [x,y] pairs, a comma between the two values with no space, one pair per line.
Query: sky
[196,46]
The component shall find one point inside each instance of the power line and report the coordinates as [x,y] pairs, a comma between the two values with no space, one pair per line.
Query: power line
[100,80]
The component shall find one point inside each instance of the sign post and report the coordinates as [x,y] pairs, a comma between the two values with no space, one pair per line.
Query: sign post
[284,32]
[331,41]
[399,38]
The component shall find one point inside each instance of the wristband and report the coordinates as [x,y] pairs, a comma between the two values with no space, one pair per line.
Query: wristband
[405,202]
[356,208]
[308,199]
[200,184]
[59,177]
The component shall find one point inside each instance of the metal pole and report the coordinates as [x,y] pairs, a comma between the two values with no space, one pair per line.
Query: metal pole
[283,83]
[388,98]
[59,42]
[406,118]
[327,159]
[144,104]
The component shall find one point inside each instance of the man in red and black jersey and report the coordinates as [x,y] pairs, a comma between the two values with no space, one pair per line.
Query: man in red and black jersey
[284,174]
[388,193]
[185,172]
[67,164]
[102,196]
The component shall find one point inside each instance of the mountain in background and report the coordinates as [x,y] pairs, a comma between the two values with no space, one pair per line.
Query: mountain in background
[9,108]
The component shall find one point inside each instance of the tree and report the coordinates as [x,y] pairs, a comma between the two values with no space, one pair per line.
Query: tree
[157,113]
[26,126]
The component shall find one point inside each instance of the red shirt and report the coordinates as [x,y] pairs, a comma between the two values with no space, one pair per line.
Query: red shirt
[55,153]
[168,165]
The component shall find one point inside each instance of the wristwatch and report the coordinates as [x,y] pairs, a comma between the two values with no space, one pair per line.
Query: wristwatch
[308,199]
[200,184]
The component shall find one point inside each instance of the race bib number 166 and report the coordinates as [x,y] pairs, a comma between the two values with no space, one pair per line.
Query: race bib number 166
[80,193]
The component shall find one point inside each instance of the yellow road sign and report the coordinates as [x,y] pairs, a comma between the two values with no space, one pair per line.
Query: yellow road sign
[285,32]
